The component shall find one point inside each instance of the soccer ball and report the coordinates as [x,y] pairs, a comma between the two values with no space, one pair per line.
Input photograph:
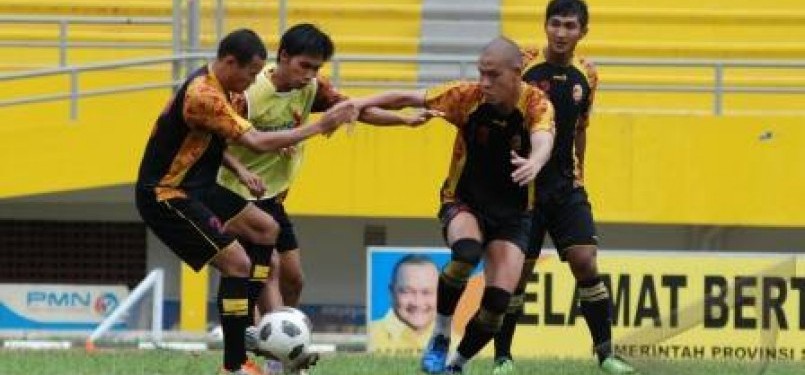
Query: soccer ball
[285,334]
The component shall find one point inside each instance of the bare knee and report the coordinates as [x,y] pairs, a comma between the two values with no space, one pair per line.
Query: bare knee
[234,262]
[583,261]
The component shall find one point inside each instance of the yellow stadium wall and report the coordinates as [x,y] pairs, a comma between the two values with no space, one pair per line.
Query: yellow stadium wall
[648,169]
[356,26]
[667,28]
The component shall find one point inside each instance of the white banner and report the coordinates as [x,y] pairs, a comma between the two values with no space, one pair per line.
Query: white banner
[57,306]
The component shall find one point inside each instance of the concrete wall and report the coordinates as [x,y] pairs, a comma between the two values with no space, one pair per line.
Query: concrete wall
[333,247]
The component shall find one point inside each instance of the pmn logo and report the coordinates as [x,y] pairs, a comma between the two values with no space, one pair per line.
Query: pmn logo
[40,298]
[105,304]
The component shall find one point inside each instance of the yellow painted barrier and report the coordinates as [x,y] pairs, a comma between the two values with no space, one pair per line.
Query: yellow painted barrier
[193,302]
[731,170]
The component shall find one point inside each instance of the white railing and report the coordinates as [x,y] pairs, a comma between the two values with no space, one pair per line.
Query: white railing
[463,68]
[63,40]
[156,281]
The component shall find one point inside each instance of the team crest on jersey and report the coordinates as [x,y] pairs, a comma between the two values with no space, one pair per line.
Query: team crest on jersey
[578,93]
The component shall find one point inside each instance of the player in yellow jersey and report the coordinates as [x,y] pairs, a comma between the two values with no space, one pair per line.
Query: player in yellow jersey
[179,166]
[282,97]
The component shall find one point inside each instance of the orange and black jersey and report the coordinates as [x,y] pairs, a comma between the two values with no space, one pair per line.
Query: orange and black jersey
[571,90]
[481,168]
[188,140]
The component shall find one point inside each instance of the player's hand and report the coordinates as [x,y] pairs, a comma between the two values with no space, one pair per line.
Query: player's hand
[422,116]
[525,169]
[253,182]
[341,113]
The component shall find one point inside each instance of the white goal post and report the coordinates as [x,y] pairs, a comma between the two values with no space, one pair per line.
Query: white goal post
[155,280]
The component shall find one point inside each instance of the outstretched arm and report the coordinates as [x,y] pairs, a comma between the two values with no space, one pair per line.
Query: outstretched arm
[393,100]
[382,117]
[271,141]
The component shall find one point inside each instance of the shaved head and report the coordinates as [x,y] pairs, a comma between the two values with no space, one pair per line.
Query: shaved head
[504,50]
[499,67]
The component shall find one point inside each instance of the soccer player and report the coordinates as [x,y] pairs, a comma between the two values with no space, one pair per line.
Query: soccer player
[505,133]
[282,97]
[563,209]
[181,161]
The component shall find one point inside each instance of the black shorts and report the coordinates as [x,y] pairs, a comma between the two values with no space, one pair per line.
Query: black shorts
[226,204]
[568,218]
[513,229]
[186,226]
[286,240]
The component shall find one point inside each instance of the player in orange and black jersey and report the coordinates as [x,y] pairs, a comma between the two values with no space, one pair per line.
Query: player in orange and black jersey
[563,209]
[181,163]
[505,132]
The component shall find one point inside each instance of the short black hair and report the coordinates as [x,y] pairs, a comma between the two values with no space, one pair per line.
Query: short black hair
[413,259]
[568,8]
[243,45]
[306,39]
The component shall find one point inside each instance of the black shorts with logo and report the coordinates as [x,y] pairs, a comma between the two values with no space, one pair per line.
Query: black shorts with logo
[286,240]
[568,218]
[226,204]
[186,225]
[514,229]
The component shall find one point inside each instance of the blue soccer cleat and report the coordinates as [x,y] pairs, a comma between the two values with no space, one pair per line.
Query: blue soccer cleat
[435,356]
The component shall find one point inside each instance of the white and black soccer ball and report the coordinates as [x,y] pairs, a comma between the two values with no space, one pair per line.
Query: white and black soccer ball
[285,333]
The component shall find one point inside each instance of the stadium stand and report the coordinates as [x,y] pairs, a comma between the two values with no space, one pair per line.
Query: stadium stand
[411,29]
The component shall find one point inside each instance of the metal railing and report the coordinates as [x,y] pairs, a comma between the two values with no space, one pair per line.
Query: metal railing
[63,42]
[718,89]
[464,67]
[74,93]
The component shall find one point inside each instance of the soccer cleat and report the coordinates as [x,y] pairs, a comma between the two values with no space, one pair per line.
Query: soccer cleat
[617,365]
[435,356]
[273,367]
[453,370]
[248,368]
[252,341]
[302,364]
[503,366]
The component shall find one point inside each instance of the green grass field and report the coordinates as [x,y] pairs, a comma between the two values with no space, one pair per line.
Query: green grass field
[158,362]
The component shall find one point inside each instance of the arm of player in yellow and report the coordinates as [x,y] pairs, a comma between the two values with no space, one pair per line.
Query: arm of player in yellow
[381,117]
[258,141]
[393,100]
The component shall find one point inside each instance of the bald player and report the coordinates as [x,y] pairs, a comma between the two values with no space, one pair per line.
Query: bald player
[505,134]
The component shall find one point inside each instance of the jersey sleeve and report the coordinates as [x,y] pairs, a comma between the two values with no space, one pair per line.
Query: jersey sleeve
[206,108]
[540,112]
[529,55]
[240,103]
[454,99]
[326,95]
[592,79]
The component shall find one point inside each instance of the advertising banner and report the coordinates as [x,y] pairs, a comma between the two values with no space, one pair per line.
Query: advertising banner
[57,306]
[666,305]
